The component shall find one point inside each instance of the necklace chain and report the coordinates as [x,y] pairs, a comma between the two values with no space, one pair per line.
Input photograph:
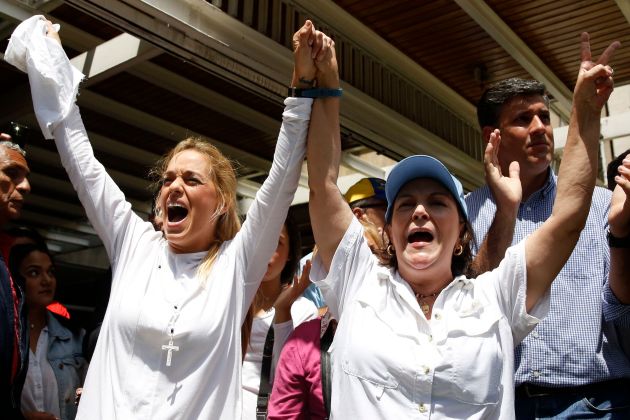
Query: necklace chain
[424,306]
[177,308]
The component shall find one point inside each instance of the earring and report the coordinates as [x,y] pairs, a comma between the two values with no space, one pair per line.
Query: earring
[390,250]
[459,249]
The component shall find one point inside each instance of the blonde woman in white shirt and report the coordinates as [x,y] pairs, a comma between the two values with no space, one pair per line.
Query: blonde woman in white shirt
[416,337]
[169,345]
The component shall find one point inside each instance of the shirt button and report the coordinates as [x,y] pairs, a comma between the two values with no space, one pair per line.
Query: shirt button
[427,370]
[430,338]
[535,334]
[536,373]
[529,208]
[437,316]
[422,408]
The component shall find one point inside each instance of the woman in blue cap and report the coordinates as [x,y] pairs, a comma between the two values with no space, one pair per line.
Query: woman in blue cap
[417,338]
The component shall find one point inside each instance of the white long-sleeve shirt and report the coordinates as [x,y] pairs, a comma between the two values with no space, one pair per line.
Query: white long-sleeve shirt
[128,377]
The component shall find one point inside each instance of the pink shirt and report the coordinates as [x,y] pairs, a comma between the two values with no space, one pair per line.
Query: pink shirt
[297,388]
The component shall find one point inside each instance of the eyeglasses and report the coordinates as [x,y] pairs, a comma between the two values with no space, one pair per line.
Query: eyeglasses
[373,206]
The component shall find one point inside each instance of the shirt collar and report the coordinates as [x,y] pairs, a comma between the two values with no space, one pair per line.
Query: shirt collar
[548,188]
[55,329]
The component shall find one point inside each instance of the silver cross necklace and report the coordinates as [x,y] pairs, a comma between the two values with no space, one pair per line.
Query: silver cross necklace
[170,347]
[177,309]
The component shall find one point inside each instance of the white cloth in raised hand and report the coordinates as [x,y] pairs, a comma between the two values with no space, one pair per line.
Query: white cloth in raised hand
[54,81]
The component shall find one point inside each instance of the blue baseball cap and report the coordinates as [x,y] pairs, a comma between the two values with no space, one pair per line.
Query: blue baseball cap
[422,166]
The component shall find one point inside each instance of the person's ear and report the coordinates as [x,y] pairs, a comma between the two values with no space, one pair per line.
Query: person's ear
[358,212]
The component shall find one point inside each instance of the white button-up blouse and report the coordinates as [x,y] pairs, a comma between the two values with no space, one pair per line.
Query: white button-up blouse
[389,361]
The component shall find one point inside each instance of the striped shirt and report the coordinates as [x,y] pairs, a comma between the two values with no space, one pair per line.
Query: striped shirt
[575,344]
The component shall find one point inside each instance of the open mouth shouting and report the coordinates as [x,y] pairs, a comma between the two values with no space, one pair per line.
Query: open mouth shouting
[176,213]
[419,237]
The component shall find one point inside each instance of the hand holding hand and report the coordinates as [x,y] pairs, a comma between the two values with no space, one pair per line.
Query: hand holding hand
[619,215]
[325,59]
[304,69]
[595,79]
[314,59]
[507,190]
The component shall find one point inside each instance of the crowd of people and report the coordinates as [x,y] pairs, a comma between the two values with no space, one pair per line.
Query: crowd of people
[419,301]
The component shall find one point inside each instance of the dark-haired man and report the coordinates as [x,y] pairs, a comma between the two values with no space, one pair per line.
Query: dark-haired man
[571,363]
[13,333]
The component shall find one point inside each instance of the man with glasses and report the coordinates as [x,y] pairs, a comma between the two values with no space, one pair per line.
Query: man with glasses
[367,199]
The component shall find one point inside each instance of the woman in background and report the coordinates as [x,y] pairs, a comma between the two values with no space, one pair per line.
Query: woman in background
[56,367]
[274,306]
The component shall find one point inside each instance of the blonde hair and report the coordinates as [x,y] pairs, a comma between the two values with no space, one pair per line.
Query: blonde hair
[224,178]
[372,234]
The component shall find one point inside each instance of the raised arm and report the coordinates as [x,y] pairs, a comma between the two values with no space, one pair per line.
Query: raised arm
[507,192]
[269,210]
[619,225]
[549,247]
[330,214]
[104,203]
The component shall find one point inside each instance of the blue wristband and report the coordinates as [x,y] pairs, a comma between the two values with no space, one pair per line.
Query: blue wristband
[314,92]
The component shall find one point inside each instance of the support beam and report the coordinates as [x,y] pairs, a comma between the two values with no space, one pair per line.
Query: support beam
[14,10]
[94,258]
[490,22]
[152,124]
[612,127]
[46,220]
[195,92]
[128,53]
[107,145]
[55,185]
[213,38]
[44,6]
[332,15]
[624,6]
[71,210]
[247,188]
[122,179]
[112,57]
[155,125]
[202,34]
[71,239]
[359,165]
[382,126]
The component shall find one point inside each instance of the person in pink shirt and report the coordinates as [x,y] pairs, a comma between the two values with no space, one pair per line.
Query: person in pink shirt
[297,389]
